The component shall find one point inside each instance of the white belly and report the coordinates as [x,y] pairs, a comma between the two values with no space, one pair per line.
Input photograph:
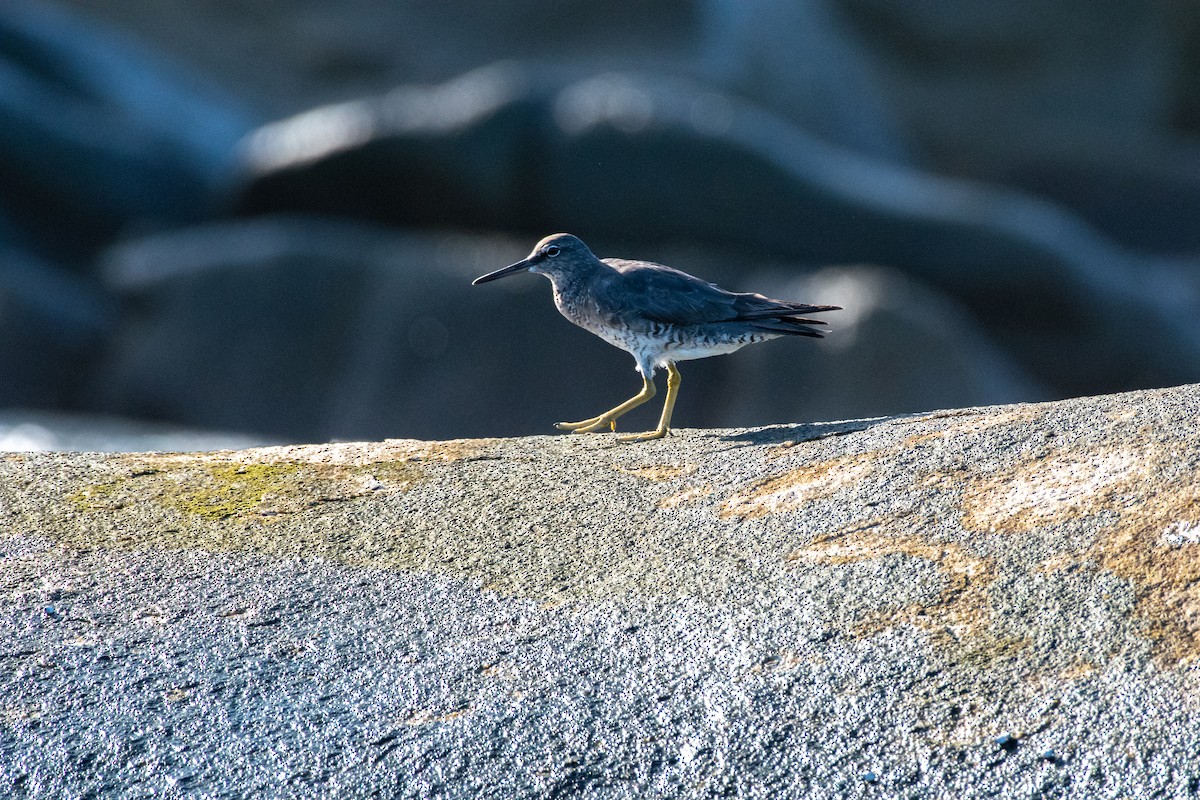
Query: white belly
[686,353]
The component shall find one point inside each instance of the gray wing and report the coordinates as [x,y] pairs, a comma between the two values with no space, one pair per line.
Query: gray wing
[666,295]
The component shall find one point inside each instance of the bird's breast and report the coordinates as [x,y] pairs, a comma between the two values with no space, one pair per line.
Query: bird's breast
[584,312]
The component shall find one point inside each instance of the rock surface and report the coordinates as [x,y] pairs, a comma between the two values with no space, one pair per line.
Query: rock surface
[990,601]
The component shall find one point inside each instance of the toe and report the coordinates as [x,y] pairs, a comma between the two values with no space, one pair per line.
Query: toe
[643,437]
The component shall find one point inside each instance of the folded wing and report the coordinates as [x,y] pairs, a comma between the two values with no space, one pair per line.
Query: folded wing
[661,294]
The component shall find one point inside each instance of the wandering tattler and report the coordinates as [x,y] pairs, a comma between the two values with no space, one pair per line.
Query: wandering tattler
[659,314]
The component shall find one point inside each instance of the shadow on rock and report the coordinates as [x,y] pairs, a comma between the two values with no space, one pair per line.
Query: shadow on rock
[794,434]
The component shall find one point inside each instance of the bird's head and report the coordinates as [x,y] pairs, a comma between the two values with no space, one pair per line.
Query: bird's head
[559,254]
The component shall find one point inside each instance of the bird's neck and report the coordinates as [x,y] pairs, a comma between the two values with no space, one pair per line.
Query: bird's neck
[570,285]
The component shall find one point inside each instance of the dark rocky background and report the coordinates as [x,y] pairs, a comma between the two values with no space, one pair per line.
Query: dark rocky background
[264,217]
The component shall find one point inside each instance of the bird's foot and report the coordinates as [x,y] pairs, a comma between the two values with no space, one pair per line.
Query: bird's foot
[588,425]
[645,437]
[573,426]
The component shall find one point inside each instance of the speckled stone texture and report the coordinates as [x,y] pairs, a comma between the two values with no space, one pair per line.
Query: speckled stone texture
[980,602]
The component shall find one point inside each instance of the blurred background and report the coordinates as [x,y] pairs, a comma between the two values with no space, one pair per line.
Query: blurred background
[262,218]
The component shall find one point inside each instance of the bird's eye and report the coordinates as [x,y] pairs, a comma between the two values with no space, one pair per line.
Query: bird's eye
[553,250]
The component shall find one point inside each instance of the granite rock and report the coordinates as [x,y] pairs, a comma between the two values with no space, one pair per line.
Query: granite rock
[966,603]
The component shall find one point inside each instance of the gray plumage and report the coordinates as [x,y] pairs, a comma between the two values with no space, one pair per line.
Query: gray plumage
[658,314]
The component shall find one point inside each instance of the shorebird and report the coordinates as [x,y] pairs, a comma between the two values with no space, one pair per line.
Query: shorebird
[658,314]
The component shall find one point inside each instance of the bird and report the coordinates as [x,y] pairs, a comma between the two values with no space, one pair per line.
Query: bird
[658,314]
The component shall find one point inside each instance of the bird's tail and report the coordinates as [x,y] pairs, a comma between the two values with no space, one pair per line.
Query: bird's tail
[805,308]
[791,326]
[785,317]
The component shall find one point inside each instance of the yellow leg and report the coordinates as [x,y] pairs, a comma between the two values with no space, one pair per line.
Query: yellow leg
[664,422]
[608,418]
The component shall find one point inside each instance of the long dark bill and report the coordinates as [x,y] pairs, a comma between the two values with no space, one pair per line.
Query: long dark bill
[511,269]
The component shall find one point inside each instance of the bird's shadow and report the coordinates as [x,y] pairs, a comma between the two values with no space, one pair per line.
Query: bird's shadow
[802,432]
